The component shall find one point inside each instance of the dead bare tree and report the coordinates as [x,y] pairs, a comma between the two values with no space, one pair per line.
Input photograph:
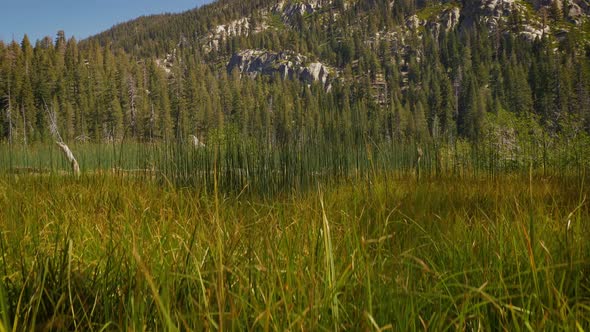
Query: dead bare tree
[22,108]
[53,128]
[152,122]
[419,154]
[70,156]
[196,142]
[9,116]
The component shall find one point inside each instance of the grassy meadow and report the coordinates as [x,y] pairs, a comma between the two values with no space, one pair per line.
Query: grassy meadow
[165,238]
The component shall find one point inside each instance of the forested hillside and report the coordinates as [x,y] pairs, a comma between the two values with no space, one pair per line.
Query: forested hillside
[321,69]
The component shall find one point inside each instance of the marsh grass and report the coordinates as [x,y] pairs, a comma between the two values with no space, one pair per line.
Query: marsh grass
[241,236]
[245,165]
[462,253]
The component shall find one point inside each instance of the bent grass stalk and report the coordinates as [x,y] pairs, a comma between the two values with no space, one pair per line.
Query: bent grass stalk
[330,270]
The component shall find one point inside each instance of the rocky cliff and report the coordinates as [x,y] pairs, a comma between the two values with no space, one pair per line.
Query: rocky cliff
[288,65]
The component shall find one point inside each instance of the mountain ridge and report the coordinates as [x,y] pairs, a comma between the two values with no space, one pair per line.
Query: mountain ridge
[220,20]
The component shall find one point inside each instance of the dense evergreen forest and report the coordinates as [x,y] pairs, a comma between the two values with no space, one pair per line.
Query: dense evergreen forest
[438,86]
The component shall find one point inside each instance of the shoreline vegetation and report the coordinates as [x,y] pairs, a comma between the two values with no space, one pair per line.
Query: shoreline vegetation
[163,237]
[261,169]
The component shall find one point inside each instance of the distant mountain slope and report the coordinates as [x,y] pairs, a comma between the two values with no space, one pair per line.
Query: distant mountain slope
[209,27]
[338,34]
[149,35]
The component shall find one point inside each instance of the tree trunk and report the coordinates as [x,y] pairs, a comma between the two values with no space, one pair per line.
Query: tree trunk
[70,157]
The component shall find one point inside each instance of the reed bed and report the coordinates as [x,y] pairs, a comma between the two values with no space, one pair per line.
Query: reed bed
[241,236]
[258,169]
[102,252]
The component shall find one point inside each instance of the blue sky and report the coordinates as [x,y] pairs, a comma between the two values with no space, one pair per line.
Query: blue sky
[79,18]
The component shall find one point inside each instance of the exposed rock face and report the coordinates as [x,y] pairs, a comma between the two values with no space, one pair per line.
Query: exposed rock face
[286,64]
[413,22]
[235,28]
[577,11]
[241,27]
[494,12]
[446,20]
[491,12]
[168,62]
[450,18]
[290,9]
[298,8]
[574,11]
[494,8]
[256,62]
[531,33]
[315,72]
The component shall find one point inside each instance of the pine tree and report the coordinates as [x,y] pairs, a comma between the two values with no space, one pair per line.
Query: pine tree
[112,120]
[469,108]
[28,109]
[420,123]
